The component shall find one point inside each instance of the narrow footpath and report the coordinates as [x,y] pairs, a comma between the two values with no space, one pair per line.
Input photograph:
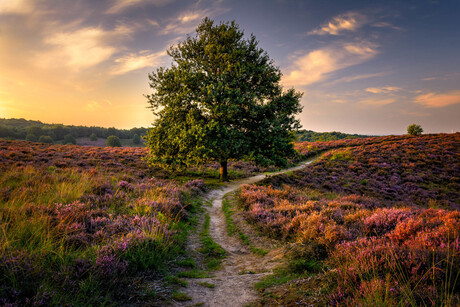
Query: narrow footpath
[241,269]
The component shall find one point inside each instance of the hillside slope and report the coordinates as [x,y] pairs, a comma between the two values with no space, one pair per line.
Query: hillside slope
[380,218]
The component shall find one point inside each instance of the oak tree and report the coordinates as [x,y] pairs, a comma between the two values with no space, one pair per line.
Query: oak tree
[221,99]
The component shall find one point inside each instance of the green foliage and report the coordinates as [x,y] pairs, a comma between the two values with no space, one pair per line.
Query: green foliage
[207,285]
[136,139]
[113,141]
[18,129]
[220,100]
[312,136]
[414,129]
[35,130]
[93,137]
[45,139]
[181,297]
[31,137]
[70,139]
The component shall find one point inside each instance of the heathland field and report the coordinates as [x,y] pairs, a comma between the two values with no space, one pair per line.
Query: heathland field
[77,223]
[373,221]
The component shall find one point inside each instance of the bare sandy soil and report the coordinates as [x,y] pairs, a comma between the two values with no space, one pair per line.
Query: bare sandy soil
[234,281]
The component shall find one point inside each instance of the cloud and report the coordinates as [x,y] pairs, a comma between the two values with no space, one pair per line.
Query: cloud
[383,24]
[134,61]
[187,21]
[93,106]
[77,50]
[383,90]
[438,100]
[358,77]
[377,102]
[120,5]
[82,48]
[15,6]
[350,21]
[316,65]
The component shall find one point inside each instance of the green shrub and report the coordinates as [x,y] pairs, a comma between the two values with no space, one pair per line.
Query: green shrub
[69,139]
[113,141]
[45,139]
[93,137]
[31,137]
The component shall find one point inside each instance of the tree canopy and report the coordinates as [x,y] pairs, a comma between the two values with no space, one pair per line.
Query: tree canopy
[414,129]
[220,100]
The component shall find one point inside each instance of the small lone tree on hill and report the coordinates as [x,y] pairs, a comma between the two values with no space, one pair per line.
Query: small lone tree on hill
[414,129]
[113,141]
[220,100]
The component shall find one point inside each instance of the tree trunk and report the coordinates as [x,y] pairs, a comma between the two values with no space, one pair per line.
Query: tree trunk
[223,171]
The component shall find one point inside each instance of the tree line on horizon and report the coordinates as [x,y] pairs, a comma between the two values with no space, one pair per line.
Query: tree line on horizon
[312,136]
[33,130]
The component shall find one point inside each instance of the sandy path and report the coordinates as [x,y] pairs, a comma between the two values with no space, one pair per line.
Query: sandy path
[241,269]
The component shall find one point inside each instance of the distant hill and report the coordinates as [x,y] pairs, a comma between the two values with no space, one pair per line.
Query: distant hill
[312,136]
[32,130]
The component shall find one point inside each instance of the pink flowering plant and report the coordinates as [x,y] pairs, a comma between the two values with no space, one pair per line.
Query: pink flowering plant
[77,222]
[385,211]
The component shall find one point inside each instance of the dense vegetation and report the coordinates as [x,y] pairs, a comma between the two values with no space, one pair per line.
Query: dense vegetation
[312,136]
[77,223]
[31,130]
[373,221]
[379,216]
[221,99]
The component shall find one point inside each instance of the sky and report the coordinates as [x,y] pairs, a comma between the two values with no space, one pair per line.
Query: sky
[368,67]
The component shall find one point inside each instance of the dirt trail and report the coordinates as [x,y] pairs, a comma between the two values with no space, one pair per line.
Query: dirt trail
[233,283]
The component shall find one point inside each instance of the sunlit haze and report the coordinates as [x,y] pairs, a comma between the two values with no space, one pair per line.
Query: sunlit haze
[369,67]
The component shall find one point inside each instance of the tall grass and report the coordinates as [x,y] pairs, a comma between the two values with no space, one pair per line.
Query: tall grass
[74,236]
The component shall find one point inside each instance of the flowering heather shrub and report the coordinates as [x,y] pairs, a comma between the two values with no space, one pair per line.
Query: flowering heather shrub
[423,170]
[309,149]
[77,218]
[417,258]
[195,186]
[125,160]
[386,210]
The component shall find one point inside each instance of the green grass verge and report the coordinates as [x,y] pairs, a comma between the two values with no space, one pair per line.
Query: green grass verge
[207,285]
[232,229]
[213,252]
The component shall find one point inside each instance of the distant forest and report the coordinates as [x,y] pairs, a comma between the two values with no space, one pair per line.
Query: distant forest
[32,130]
[312,136]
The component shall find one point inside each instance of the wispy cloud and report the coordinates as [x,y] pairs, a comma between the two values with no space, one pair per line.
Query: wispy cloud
[134,61]
[316,65]
[358,77]
[438,100]
[94,106]
[350,21]
[384,24]
[377,102]
[120,5]
[187,21]
[383,90]
[448,76]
